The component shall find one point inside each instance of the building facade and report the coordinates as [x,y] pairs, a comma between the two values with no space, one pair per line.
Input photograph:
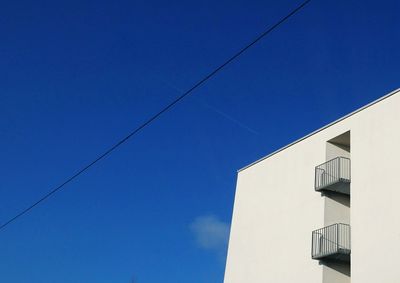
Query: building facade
[325,208]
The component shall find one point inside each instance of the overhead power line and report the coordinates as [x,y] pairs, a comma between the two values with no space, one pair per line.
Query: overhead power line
[155,116]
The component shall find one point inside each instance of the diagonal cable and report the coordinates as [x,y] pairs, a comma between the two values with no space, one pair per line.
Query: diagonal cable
[155,116]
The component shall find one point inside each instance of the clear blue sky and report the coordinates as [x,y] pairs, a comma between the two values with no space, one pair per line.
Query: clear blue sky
[75,76]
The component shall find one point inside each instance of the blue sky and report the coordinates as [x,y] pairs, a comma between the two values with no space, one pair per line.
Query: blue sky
[75,76]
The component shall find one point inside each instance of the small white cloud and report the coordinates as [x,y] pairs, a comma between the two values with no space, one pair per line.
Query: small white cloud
[211,233]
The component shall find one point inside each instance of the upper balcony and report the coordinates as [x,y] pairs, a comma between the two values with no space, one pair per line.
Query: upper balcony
[331,243]
[333,175]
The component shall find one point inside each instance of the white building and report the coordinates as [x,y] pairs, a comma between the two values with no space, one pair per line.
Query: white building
[295,208]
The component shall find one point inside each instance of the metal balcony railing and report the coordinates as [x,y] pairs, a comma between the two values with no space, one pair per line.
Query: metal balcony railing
[331,243]
[333,175]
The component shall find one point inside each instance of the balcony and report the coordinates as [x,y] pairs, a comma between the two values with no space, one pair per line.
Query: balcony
[333,175]
[331,243]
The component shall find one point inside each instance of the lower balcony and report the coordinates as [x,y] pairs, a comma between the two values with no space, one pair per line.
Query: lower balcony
[331,243]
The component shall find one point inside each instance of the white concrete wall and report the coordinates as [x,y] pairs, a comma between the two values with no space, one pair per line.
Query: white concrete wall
[276,207]
[267,243]
[375,199]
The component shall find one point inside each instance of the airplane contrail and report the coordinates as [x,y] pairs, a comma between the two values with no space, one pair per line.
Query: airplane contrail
[218,111]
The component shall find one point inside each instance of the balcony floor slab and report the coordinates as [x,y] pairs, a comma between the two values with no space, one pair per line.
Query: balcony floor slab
[341,186]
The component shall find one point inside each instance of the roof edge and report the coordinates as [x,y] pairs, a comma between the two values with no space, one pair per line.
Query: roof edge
[322,128]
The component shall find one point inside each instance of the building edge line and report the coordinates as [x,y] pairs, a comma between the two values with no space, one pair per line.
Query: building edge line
[322,128]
